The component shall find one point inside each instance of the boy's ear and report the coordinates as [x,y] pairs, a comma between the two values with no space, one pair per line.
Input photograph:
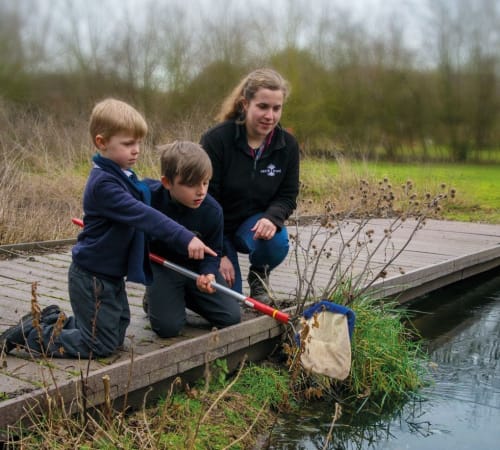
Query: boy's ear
[164,181]
[100,142]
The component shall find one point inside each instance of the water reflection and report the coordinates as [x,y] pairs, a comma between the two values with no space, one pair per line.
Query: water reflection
[461,410]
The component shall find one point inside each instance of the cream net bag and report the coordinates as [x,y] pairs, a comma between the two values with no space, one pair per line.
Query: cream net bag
[326,333]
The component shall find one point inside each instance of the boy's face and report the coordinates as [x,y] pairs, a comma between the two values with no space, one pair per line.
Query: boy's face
[122,148]
[191,196]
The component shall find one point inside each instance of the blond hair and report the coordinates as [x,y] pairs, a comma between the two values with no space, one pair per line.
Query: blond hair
[187,160]
[232,106]
[110,117]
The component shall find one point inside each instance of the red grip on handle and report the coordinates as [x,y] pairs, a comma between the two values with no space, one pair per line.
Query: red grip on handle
[280,316]
[77,221]
[156,259]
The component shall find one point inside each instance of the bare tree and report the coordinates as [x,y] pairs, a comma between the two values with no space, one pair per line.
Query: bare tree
[177,40]
[465,34]
[223,34]
[12,55]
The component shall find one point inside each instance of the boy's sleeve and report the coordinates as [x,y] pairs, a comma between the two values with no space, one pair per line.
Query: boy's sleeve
[115,203]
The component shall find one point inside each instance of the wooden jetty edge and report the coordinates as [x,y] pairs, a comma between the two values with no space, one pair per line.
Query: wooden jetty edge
[441,253]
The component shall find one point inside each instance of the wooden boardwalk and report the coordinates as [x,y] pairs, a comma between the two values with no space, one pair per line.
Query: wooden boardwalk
[439,254]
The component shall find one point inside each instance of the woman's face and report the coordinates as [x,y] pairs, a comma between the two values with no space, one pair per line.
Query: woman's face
[263,113]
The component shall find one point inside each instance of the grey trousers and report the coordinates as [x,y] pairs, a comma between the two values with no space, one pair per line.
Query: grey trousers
[171,293]
[101,315]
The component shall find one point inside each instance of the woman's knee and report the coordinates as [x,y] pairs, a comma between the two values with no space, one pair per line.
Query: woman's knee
[270,253]
[281,248]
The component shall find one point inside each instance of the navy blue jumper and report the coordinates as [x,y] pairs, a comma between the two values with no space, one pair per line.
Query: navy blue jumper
[170,293]
[112,245]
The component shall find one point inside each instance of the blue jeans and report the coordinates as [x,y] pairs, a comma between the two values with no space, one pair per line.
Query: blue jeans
[262,254]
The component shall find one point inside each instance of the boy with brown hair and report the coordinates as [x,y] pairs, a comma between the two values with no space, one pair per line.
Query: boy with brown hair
[182,195]
[112,246]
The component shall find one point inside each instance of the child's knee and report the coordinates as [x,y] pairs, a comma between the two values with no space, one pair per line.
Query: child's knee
[102,348]
[101,352]
[232,316]
[166,329]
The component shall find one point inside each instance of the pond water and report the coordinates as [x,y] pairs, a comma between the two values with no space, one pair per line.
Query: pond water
[461,410]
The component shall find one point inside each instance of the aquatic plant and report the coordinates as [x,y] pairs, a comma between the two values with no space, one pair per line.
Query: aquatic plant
[387,363]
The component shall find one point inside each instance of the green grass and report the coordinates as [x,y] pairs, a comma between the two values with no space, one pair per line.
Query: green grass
[231,412]
[437,154]
[477,193]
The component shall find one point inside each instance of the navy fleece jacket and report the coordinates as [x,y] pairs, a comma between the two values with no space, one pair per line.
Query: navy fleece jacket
[244,186]
[206,222]
[113,242]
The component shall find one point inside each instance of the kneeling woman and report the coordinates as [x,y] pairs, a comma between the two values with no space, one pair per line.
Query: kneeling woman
[255,178]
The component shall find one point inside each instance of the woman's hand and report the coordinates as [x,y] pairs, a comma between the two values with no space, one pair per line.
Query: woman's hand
[227,270]
[264,229]
[204,283]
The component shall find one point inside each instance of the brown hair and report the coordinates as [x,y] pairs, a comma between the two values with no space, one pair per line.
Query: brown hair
[110,117]
[187,160]
[232,107]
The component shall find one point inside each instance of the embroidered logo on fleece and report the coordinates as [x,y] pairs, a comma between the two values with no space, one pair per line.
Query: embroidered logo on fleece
[271,170]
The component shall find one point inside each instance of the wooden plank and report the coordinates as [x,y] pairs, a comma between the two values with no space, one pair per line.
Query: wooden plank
[441,253]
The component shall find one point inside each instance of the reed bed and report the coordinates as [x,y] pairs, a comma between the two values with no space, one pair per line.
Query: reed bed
[45,160]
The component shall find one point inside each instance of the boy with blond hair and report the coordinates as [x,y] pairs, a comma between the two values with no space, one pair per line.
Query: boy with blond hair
[113,245]
[182,195]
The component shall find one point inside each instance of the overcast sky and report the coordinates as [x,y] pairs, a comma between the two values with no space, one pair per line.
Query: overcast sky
[373,14]
[289,21]
[368,11]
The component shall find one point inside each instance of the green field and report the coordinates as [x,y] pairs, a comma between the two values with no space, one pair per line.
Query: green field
[477,186]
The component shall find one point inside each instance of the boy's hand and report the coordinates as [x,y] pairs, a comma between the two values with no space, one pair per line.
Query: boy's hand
[197,249]
[227,270]
[204,283]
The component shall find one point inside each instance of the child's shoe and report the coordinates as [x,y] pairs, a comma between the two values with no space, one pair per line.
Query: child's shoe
[14,336]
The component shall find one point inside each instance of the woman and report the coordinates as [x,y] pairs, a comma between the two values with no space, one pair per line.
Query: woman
[255,178]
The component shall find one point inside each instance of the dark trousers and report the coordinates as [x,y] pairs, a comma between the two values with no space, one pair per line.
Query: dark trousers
[171,293]
[101,315]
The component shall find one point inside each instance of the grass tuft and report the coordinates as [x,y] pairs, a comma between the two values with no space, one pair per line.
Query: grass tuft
[388,363]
